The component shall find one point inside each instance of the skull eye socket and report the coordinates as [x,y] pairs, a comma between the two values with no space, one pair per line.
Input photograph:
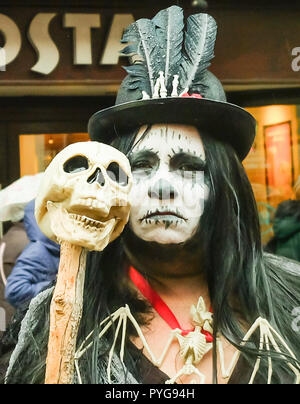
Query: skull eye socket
[76,164]
[117,174]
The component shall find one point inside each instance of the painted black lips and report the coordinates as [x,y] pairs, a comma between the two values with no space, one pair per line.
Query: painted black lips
[163,213]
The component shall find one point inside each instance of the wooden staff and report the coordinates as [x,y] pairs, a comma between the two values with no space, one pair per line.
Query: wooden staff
[65,314]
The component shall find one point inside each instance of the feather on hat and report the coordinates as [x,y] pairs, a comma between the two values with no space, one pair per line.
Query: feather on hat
[168,82]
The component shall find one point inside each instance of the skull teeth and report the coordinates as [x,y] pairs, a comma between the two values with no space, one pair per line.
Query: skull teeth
[85,221]
[91,203]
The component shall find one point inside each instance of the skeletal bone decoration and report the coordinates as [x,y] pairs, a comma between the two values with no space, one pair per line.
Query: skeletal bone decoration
[160,90]
[192,347]
[82,204]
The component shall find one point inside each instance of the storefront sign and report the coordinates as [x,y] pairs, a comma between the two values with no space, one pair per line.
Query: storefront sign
[48,52]
[296,61]
[70,46]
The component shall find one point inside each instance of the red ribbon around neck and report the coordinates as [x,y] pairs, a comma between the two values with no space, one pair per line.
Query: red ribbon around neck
[159,305]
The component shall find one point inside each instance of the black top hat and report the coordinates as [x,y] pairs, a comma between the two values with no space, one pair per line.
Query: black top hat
[168,82]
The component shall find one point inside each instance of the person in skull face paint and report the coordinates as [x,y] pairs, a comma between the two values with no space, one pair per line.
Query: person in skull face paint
[167,200]
[193,231]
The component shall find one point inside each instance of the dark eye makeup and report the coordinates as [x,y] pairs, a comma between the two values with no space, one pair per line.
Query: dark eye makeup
[143,160]
[187,162]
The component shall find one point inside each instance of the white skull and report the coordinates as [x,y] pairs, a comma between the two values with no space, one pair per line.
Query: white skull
[83,197]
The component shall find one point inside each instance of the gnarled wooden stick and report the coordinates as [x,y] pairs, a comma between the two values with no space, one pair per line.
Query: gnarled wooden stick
[65,314]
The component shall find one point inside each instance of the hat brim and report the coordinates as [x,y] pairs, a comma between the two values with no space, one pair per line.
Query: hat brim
[222,120]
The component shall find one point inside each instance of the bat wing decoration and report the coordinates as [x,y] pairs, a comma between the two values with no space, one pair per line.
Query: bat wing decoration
[191,347]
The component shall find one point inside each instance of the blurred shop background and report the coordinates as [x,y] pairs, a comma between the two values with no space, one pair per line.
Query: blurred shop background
[61,64]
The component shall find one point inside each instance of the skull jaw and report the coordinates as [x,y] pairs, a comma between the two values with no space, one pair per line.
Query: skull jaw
[81,231]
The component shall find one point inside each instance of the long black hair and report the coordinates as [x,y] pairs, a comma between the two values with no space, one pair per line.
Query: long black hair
[244,283]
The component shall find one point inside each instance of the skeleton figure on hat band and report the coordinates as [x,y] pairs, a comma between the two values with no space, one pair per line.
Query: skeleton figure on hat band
[185,294]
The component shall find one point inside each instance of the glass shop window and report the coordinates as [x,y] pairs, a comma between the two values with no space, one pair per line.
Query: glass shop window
[38,150]
[273,162]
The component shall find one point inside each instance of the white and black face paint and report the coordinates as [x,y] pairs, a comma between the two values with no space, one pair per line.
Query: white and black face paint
[168,193]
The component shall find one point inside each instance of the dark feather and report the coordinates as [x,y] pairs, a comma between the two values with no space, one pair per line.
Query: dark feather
[198,50]
[169,30]
[137,73]
[144,44]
